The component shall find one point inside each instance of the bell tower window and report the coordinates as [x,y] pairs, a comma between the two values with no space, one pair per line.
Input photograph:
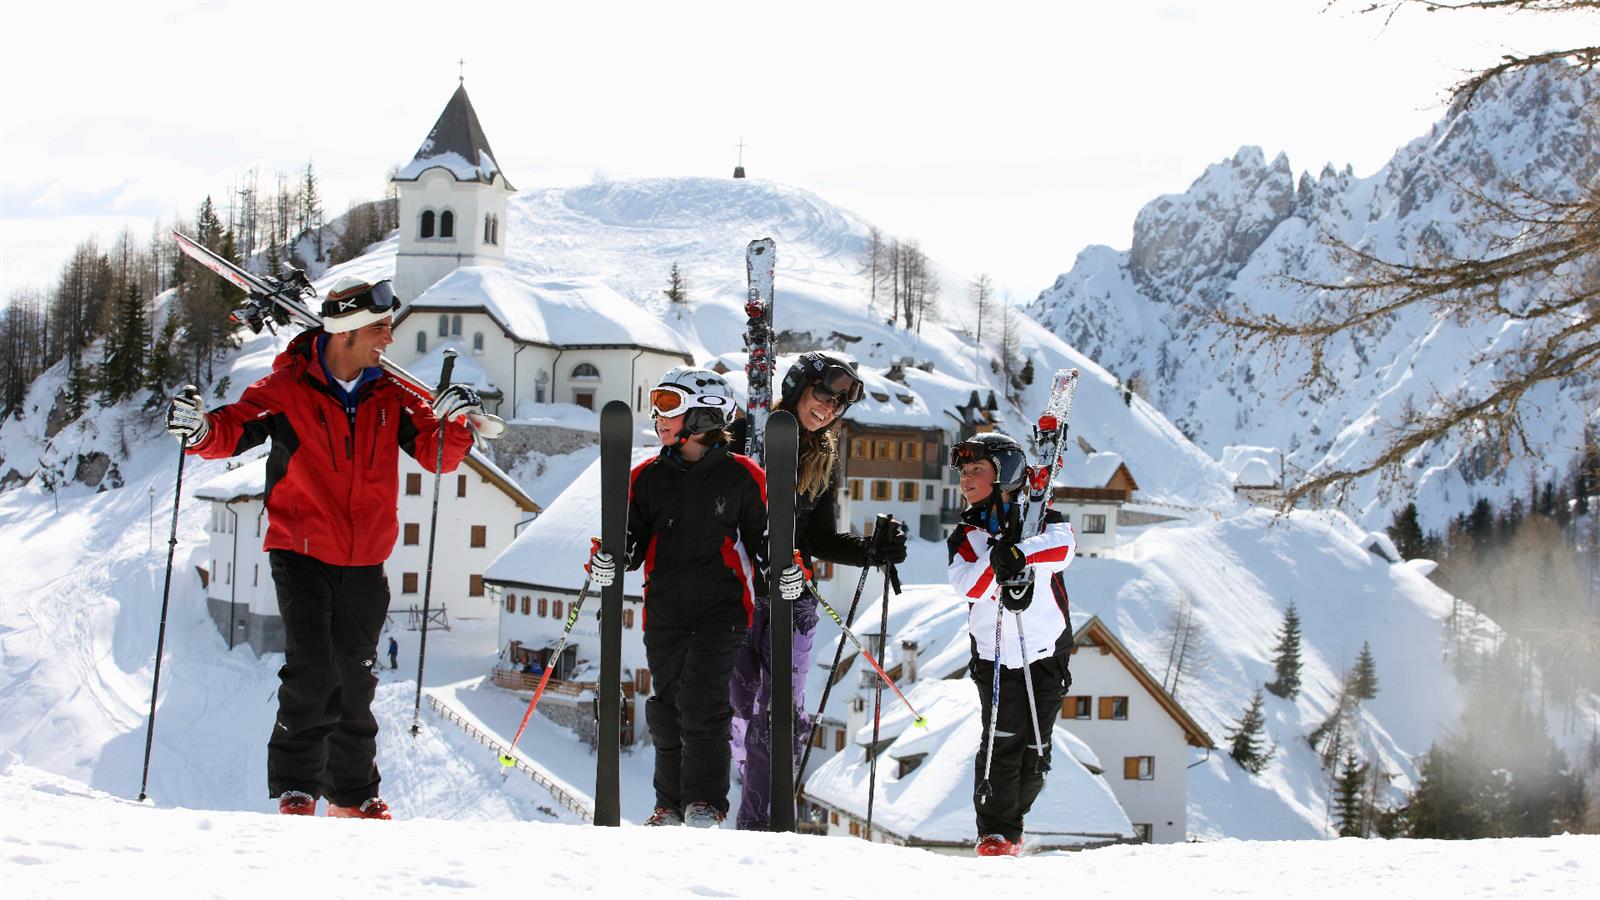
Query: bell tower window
[447,224]
[426,231]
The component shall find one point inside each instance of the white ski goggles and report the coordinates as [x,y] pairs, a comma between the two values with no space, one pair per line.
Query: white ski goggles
[670,401]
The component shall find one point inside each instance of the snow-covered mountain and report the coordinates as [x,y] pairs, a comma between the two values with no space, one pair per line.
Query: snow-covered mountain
[1247,223]
[77,619]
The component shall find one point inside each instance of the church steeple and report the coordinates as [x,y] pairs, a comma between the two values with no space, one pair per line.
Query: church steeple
[452,201]
[458,145]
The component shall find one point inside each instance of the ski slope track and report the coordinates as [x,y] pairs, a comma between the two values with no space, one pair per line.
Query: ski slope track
[65,840]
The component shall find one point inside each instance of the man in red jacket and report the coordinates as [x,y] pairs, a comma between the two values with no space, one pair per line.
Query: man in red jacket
[338,423]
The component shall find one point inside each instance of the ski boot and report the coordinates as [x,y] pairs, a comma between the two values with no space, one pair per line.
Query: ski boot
[663,816]
[701,814]
[374,808]
[296,803]
[997,845]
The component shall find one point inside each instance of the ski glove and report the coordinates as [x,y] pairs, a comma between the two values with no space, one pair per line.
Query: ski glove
[1017,597]
[1008,561]
[791,583]
[186,418]
[888,548]
[455,401]
[602,569]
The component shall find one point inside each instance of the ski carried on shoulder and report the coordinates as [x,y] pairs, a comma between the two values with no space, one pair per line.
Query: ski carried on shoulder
[274,302]
[760,262]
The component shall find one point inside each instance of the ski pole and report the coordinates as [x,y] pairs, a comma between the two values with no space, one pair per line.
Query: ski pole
[506,758]
[985,790]
[884,520]
[189,390]
[866,654]
[433,539]
[889,578]
[1041,759]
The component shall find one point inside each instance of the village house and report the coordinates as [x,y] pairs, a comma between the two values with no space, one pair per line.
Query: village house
[480,508]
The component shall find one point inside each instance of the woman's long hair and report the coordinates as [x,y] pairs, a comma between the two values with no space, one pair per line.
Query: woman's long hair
[819,456]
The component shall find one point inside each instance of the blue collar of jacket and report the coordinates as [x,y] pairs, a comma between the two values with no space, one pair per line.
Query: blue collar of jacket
[984,515]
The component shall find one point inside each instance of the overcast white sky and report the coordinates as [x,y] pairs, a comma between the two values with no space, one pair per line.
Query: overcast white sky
[1006,137]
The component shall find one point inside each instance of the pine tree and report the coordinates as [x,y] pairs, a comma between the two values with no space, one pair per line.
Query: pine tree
[1245,741]
[1406,532]
[677,287]
[159,370]
[78,390]
[123,371]
[1331,738]
[1364,683]
[1347,803]
[1286,658]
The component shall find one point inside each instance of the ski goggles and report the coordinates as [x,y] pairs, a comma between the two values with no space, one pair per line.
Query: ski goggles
[961,454]
[358,307]
[668,401]
[837,385]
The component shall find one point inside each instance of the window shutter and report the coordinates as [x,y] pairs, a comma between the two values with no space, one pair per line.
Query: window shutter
[1105,707]
[1130,768]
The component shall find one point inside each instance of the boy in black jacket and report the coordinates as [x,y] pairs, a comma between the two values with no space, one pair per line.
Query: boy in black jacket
[697,523]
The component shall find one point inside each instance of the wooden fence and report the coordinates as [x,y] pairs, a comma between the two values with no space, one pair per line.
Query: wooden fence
[561,795]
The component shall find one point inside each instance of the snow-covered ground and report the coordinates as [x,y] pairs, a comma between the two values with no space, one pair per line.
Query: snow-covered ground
[61,839]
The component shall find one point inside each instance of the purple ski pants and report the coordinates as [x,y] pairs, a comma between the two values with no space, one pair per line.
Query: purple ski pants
[751,692]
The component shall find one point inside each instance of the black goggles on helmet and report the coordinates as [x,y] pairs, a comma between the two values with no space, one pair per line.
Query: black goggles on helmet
[375,298]
[838,385]
[961,454]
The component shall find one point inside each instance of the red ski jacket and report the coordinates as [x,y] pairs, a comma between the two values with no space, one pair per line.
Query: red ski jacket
[333,474]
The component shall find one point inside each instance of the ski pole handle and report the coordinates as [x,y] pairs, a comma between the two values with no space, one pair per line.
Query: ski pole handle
[445,372]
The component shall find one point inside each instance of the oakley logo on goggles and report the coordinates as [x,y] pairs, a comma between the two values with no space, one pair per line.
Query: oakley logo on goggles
[376,298]
[669,401]
[837,386]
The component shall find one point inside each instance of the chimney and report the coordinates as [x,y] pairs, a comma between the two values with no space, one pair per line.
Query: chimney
[908,662]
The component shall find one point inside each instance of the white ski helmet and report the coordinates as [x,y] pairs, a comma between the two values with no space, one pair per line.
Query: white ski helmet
[699,395]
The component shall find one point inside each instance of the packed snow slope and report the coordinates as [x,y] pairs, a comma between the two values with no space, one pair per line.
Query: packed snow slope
[1246,224]
[65,840]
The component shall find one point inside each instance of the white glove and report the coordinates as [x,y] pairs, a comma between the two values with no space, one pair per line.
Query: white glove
[457,400]
[487,427]
[791,583]
[186,417]
[602,569]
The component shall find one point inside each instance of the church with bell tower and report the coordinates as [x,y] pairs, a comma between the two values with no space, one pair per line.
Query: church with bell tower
[452,202]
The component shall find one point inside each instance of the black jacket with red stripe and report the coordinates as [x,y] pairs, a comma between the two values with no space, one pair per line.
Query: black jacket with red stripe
[1046,622]
[333,478]
[700,532]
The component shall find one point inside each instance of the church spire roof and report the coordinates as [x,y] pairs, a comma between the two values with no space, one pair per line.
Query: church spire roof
[458,145]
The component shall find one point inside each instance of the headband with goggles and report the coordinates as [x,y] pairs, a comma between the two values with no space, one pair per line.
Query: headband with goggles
[358,306]
[838,385]
[669,401]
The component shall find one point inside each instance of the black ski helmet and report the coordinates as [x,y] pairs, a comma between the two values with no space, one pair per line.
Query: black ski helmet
[1002,452]
[818,365]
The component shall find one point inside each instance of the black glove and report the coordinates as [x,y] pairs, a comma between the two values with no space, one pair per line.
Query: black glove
[1016,597]
[887,546]
[457,400]
[1008,562]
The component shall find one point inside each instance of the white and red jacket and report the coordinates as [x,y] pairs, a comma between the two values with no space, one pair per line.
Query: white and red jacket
[1045,621]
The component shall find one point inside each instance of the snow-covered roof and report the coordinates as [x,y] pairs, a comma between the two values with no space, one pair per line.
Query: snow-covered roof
[1094,470]
[466,370]
[551,551]
[249,481]
[456,144]
[242,482]
[560,313]
[933,802]
[1253,466]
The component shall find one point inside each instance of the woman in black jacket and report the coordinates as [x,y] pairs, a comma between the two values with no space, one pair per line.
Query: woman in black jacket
[818,389]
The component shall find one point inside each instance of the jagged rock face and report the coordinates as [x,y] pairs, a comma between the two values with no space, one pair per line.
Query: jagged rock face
[1191,245]
[1246,228]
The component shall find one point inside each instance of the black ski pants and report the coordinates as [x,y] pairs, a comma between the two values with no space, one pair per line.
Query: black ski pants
[690,713]
[1015,778]
[325,738]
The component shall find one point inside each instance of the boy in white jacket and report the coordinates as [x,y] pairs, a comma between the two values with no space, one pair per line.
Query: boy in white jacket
[989,569]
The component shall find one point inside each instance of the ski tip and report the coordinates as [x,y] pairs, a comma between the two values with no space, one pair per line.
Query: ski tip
[507,760]
[920,722]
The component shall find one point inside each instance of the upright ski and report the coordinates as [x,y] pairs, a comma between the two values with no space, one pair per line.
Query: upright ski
[1049,435]
[616,456]
[783,451]
[760,261]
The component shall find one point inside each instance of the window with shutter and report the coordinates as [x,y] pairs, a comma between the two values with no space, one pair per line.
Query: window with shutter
[527,604]
[413,534]
[408,583]
[1113,707]
[544,606]
[413,483]
[475,586]
[461,485]
[480,535]
[1138,768]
